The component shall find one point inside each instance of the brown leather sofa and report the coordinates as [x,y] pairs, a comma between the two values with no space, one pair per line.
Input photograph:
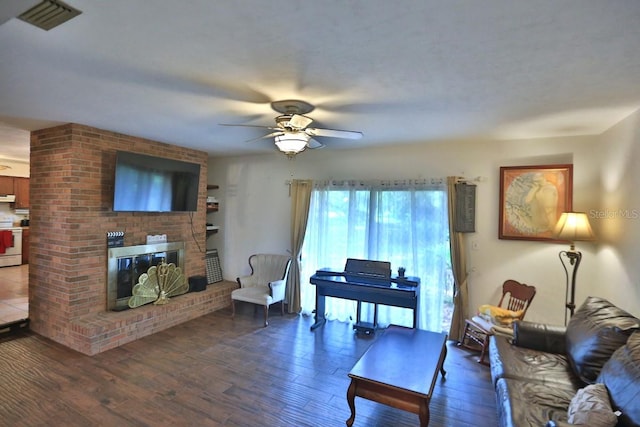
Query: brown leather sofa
[538,374]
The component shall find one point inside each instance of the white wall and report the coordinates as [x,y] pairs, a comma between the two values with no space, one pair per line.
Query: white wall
[255,212]
[16,168]
[618,222]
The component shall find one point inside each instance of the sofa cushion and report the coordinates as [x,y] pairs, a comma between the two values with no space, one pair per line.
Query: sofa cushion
[540,336]
[255,295]
[524,403]
[621,375]
[512,361]
[595,331]
[590,406]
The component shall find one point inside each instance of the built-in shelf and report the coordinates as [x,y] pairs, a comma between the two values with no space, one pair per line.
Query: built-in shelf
[212,207]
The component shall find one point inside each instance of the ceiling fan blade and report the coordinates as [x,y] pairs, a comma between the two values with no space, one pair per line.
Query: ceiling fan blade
[314,144]
[271,135]
[299,121]
[248,126]
[334,133]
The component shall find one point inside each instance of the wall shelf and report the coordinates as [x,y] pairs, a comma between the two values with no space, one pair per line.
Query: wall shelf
[212,207]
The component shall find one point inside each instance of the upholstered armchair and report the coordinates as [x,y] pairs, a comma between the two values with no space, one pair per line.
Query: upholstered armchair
[265,285]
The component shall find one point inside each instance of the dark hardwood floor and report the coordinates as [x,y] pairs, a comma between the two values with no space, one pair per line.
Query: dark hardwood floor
[215,371]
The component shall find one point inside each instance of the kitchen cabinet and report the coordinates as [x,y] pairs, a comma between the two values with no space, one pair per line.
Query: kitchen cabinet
[21,189]
[18,186]
[6,185]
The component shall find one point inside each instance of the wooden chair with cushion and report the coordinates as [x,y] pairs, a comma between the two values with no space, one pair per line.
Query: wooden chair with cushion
[497,320]
[265,285]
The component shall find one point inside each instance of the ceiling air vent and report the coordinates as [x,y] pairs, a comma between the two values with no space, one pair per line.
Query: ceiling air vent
[49,14]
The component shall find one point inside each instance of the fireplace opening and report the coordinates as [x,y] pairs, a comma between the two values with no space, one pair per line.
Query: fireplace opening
[127,264]
[131,268]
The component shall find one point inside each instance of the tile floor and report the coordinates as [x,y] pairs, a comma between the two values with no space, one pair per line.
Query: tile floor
[14,293]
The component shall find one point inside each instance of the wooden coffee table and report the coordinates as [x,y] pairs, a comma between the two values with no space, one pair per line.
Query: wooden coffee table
[399,370]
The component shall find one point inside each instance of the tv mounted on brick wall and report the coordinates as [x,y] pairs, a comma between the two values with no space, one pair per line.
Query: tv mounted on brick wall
[154,184]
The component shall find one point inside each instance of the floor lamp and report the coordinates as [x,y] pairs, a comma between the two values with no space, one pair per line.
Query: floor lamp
[572,227]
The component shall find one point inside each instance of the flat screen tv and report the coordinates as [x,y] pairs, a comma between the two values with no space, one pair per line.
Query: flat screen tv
[154,184]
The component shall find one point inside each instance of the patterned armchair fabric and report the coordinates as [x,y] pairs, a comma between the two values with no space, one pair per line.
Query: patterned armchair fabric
[265,285]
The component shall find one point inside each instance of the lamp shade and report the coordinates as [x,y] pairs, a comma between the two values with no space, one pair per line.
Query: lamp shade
[292,143]
[573,227]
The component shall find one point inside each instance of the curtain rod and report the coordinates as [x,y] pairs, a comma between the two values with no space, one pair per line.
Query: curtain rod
[390,182]
[471,181]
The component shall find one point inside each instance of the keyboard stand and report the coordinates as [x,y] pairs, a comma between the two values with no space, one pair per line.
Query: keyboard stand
[366,327]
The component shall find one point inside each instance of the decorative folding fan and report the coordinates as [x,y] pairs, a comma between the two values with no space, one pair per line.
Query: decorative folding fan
[172,282]
[145,291]
[158,284]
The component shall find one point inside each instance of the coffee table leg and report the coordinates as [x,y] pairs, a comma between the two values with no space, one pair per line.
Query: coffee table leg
[423,413]
[351,397]
[442,371]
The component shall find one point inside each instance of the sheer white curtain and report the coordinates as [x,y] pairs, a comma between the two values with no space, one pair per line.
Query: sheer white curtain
[403,222]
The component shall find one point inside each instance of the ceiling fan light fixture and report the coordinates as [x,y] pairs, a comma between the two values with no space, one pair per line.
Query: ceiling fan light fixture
[292,143]
[292,133]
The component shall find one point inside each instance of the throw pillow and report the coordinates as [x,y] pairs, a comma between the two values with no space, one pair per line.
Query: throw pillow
[590,406]
[596,330]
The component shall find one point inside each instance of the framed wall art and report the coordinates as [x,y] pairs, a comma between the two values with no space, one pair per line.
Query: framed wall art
[532,198]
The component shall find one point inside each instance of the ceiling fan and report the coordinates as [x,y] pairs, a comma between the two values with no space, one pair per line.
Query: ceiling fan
[292,133]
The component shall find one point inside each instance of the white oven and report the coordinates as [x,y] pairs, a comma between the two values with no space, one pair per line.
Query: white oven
[10,243]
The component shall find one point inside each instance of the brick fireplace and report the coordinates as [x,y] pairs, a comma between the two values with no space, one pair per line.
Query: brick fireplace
[71,183]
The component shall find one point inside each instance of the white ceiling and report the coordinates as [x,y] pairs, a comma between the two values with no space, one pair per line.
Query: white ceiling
[400,72]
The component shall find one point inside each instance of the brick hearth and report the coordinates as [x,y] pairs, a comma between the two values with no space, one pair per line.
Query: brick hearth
[72,173]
